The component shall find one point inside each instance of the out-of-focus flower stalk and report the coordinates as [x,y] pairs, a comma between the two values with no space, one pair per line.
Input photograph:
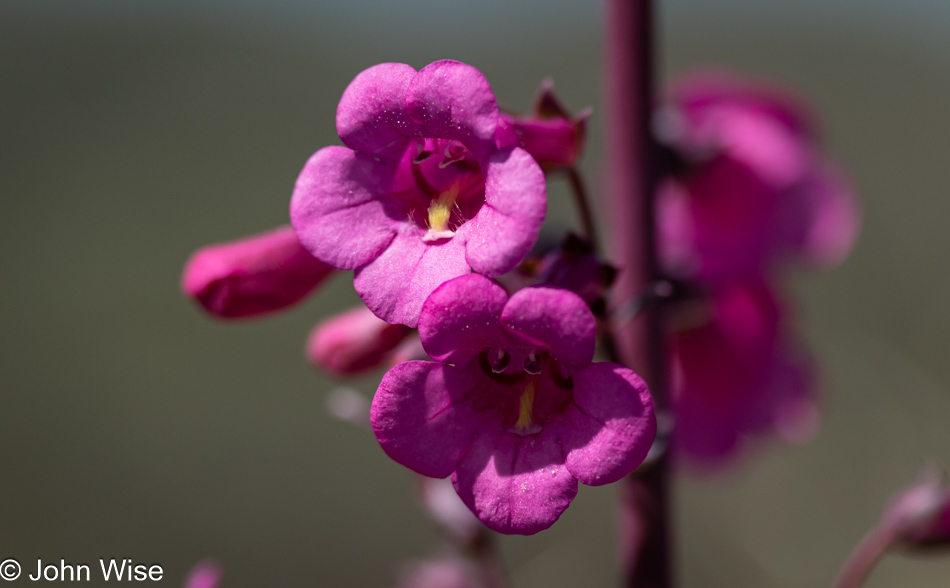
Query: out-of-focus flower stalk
[645,546]
[916,519]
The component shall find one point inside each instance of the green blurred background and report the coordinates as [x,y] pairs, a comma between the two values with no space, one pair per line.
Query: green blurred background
[131,425]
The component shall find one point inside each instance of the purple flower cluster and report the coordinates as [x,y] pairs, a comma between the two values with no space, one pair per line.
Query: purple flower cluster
[434,193]
[435,200]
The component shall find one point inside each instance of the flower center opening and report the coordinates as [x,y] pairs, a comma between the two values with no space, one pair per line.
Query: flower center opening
[450,178]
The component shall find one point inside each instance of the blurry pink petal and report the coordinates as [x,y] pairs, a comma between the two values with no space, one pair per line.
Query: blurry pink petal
[460,318]
[453,100]
[515,484]
[507,225]
[343,209]
[447,572]
[395,284]
[207,574]
[703,90]
[610,430]
[735,375]
[410,349]
[349,405]
[755,191]
[445,507]
[555,319]
[372,117]
[353,342]
[836,221]
[252,276]
[420,419]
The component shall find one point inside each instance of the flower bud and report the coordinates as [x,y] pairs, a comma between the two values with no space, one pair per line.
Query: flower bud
[252,276]
[574,266]
[553,136]
[353,342]
[920,515]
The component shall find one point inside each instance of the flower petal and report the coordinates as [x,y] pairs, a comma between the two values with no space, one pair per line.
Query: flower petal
[372,116]
[418,417]
[515,484]
[608,430]
[395,284]
[556,319]
[452,100]
[343,209]
[460,318]
[836,218]
[254,275]
[507,225]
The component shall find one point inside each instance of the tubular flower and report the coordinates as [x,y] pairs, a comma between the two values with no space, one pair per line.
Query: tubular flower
[736,376]
[553,136]
[252,276]
[919,517]
[420,194]
[513,408]
[353,342]
[751,188]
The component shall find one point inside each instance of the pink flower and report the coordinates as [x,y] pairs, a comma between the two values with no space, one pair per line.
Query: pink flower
[420,194]
[252,276]
[353,342]
[207,574]
[516,412]
[735,376]
[553,136]
[754,189]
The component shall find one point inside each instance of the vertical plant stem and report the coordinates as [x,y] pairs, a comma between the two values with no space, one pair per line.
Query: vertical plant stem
[631,153]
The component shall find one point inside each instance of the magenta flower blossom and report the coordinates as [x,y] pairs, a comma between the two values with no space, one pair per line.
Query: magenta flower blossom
[754,191]
[735,376]
[252,276]
[353,342]
[420,194]
[515,412]
[550,133]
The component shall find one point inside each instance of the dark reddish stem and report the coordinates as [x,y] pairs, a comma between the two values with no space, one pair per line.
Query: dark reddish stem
[582,202]
[632,159]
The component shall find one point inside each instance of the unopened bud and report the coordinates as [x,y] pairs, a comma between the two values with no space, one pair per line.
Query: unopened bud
[353,342]
[252,276]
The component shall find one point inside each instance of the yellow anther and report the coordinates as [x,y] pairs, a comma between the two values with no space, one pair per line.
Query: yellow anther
[525,413]
[440,210]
